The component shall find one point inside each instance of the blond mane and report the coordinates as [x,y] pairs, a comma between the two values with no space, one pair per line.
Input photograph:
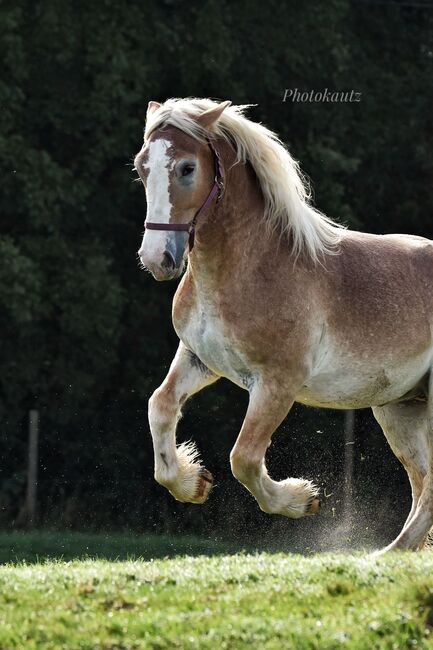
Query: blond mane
[285,190]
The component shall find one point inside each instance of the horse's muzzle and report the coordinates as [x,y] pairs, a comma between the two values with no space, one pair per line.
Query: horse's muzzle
[170,264]
[175,246]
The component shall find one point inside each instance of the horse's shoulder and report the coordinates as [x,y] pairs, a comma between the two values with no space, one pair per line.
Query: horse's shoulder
[183,301]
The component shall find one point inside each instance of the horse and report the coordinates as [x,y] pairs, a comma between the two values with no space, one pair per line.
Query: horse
[282,301]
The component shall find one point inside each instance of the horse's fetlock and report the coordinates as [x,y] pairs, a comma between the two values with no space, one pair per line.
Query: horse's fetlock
[165,478]
[267,508]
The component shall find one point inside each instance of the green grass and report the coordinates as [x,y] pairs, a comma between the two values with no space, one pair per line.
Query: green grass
[245,601]
[34,547]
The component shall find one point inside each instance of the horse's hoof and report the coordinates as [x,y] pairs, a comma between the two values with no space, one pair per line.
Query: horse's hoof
[313,506]
[204,485]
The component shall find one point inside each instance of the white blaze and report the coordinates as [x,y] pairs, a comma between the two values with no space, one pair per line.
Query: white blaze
[159,206]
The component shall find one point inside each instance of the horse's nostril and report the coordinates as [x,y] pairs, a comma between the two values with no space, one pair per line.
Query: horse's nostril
[168,261]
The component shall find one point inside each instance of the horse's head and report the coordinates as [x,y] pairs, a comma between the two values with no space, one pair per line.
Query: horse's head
[178,172]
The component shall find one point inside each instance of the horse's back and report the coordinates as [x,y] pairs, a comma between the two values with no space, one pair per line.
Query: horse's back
[380,267]
[381,287]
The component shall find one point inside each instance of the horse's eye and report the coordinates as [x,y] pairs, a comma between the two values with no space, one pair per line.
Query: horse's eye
[187,170]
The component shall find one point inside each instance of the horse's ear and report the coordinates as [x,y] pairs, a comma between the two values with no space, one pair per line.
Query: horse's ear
[213,114]
[152,106]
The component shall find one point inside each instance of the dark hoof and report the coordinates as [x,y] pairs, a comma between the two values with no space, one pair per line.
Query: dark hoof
[313,506]
[206,475]
[204,485]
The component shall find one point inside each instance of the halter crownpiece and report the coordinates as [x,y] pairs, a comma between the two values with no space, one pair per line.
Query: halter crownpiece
[216,191]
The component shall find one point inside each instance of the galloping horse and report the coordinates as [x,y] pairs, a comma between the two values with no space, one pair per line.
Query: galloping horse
[283,302]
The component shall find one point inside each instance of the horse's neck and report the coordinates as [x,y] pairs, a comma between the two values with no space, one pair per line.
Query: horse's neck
[232,233]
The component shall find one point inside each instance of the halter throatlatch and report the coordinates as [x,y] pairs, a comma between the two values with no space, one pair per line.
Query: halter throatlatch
[216,191]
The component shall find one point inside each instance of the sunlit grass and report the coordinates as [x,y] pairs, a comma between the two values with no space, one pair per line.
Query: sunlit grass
[225,601]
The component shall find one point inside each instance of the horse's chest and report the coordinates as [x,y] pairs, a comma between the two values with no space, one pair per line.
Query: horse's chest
[203,330]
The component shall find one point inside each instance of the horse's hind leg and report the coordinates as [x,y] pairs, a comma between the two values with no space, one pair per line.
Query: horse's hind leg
[406,427]
[178,467]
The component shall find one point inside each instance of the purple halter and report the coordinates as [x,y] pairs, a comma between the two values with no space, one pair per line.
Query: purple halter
[216,191]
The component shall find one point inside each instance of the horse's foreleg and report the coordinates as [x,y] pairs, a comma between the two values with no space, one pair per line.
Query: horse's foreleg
[178,468]
[292,497]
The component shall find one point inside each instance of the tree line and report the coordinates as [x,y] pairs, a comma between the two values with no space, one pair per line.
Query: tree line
[85,336]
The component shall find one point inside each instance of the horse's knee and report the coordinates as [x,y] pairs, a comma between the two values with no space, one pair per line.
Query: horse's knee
[162,407]
[164,476]
[158,399]
[243,467]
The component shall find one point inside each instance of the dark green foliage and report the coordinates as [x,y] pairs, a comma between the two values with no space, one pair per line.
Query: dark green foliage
[85,336]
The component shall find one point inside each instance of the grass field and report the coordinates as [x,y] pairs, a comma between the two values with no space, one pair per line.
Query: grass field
[41,546]
[222,599]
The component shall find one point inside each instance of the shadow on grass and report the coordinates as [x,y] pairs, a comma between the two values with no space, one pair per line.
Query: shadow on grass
[32,547]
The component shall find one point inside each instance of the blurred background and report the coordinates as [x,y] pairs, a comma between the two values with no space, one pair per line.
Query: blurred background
[86,336]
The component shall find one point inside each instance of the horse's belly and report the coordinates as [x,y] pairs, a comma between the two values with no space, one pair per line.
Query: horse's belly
[364,384]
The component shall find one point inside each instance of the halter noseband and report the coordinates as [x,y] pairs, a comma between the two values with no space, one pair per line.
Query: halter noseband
[216,191]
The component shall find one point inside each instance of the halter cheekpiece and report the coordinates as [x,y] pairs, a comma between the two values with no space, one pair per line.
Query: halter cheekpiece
[216,191]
